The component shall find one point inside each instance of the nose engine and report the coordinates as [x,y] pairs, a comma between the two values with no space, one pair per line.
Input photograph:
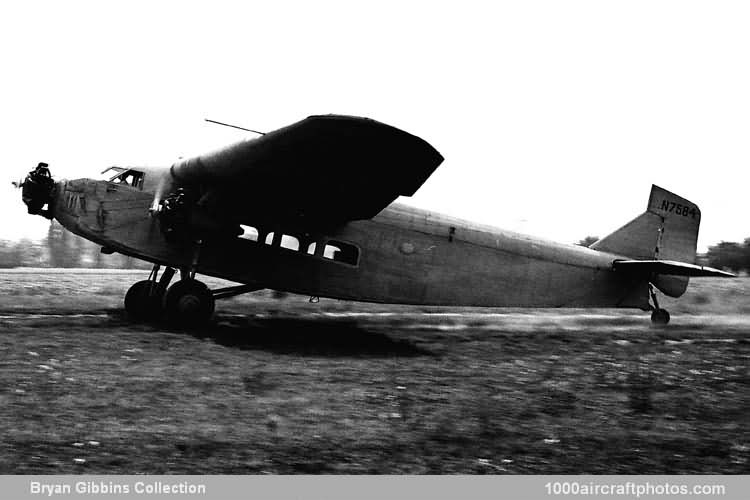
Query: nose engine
[38,191]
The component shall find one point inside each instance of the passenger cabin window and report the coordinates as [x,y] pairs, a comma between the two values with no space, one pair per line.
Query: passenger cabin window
[341,252]
[249,233]
[289,242]
[335,250]
[284,241]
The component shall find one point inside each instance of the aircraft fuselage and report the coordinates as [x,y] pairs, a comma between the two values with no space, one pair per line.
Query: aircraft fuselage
[403,255]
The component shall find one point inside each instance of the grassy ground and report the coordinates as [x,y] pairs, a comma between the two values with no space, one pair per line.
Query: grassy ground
[279,385]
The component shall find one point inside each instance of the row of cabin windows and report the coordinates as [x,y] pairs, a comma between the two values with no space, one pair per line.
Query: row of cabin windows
[333,249]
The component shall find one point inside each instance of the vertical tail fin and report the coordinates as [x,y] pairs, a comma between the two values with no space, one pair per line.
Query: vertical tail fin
[667,230]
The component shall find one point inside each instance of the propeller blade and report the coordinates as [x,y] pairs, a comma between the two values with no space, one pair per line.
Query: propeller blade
[158,196]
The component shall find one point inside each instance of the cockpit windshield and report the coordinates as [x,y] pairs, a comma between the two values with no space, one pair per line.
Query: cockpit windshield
[128,176]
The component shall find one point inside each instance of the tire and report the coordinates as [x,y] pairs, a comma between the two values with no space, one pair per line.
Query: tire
[189,303]
[143,302]
[660,316]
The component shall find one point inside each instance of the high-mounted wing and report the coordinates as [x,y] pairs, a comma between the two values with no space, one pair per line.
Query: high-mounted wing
[667,267]
[321,171]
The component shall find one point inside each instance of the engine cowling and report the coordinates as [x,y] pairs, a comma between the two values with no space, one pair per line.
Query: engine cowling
[38,191]
[182,220]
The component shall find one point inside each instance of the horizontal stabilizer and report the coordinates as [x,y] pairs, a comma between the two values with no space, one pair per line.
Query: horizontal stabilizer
[667,267]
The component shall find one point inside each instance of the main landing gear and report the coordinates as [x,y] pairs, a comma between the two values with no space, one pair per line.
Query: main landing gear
[189,302]
[186,303]
[658,316]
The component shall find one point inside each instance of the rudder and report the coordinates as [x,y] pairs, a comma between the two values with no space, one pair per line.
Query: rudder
[667,230]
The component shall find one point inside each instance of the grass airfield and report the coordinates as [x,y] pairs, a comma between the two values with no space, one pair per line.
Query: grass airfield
[282,386]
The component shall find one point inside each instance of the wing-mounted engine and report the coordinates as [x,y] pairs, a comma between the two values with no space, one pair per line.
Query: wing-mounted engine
[183,220]
[38,191]
[173,213]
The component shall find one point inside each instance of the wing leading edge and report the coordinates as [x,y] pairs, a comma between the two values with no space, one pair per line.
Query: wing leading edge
[667,267]
[323,170]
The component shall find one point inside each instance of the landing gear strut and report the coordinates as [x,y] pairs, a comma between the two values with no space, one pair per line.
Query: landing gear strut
[189,302]
[143,301]
[186,303]
[658,316]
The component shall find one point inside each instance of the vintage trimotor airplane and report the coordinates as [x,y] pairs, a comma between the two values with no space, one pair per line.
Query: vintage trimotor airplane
[309,209]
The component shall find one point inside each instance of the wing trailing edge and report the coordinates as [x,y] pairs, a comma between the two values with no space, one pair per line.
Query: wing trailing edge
[667,267]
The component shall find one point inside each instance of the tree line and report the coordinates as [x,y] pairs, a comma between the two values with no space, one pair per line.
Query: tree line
[730,256]
[61,248]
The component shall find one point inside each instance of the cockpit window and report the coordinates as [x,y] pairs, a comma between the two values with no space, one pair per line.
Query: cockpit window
[108,171]
[129,177]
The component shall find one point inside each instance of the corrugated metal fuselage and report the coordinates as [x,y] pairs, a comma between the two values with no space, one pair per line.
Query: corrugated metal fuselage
[405,256]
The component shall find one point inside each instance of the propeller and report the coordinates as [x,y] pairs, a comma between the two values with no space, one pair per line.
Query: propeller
[157,205]
[158,196]
[171,209]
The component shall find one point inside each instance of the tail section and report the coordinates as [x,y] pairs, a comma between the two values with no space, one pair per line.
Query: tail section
[667,230]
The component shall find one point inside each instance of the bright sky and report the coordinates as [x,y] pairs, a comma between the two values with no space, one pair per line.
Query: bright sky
[554,117]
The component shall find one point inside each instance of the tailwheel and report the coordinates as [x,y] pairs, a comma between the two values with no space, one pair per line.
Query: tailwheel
[143,300]
[189,302]
[660,316]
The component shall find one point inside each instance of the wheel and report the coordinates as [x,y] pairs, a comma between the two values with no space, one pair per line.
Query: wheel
[143,301]
[660,316]
[189,302]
